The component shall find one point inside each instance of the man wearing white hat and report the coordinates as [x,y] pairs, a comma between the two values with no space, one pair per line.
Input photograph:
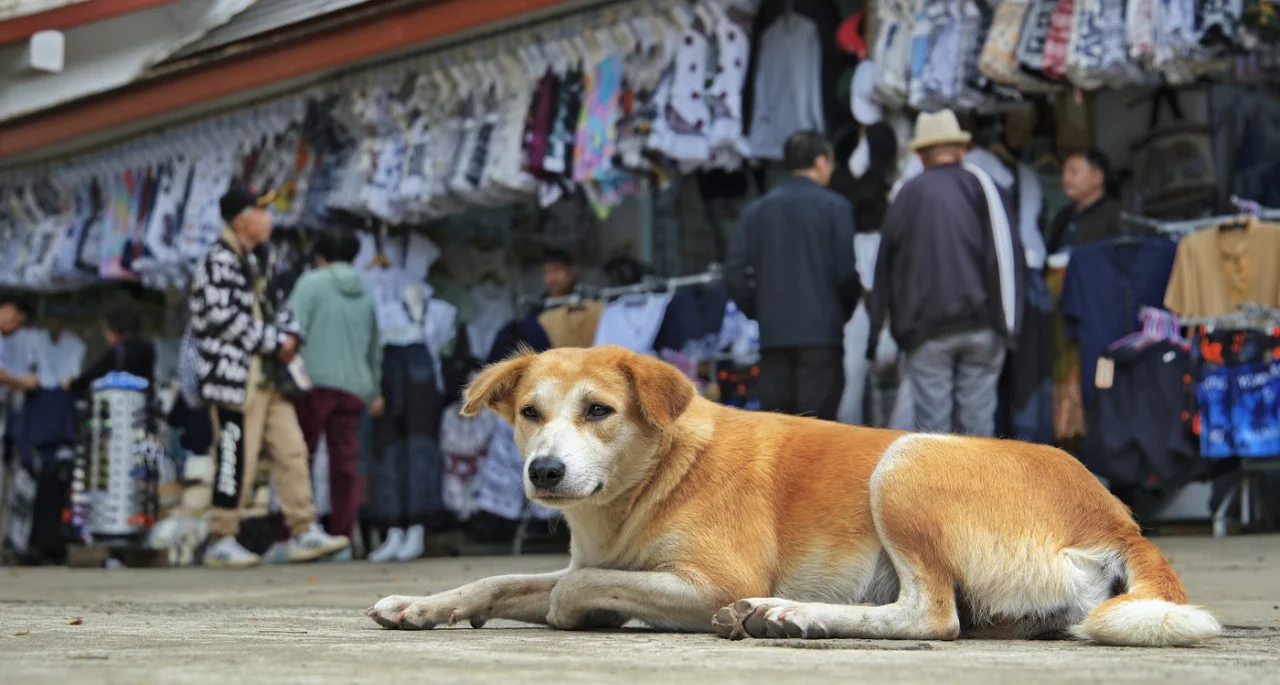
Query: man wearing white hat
[946,280]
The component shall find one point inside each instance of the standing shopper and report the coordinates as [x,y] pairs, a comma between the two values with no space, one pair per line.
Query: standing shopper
[14,312]
[1093,214]
[792,269]
[343,356]
[946,278]
[248,409]
[127,349]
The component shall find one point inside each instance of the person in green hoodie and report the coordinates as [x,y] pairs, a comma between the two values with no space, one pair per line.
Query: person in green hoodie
[343,356]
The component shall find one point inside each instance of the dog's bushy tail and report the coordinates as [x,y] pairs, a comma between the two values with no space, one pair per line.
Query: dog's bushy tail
[1153,611]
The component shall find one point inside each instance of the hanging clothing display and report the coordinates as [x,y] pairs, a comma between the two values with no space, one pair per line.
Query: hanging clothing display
[788,86]
[572,325]
[1141,440]
[1219,269]
[633,322]
[1068,404]
[602,109]
[406,471]
[1105,285]
[978,55]
[464,442]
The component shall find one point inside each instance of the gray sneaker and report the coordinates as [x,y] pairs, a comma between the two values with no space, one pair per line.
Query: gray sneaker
[314,543]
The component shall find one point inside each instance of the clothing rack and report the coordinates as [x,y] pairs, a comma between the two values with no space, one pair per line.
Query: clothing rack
[1249,208]
[1244,489]
[713,274]
[1249,315]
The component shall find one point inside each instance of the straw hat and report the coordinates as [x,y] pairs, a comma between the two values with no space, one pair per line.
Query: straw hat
[938,128]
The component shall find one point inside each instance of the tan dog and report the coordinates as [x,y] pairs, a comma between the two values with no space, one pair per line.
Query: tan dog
[680,507]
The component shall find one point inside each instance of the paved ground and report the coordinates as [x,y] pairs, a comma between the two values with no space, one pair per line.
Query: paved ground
[303,625]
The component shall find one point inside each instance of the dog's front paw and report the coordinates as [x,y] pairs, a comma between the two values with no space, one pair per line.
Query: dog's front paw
[423,613]
[759,618]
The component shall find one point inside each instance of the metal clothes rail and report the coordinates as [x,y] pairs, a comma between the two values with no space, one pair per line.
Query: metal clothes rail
[713,274]
[1249,208]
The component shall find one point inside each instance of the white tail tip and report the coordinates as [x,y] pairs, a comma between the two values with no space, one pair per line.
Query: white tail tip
[1149,623]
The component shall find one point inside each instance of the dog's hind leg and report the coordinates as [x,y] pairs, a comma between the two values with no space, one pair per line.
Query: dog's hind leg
[662,600]
[925,608]
[525,598]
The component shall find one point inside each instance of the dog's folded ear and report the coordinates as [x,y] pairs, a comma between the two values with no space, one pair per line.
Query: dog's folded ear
[494,387]
[662,392]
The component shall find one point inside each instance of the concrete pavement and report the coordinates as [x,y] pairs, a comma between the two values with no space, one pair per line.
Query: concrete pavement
[304,625]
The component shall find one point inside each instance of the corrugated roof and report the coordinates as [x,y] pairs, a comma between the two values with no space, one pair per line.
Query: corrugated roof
[266,16]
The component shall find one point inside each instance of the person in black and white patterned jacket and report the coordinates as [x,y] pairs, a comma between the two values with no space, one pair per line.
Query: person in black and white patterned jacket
[248,409]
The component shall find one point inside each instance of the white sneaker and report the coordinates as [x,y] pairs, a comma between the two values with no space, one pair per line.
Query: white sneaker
[228,553]
[389,548]
[315,543]
[414,544]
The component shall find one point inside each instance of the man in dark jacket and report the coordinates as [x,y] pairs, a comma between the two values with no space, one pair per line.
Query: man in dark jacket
[946,278]
[1093,215]
[791,268]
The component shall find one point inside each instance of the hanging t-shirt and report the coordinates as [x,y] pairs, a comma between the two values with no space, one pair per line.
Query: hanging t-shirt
[494,310]
[633,321]
[572,325]
[1105,286]
[1218,270]
[57,360]
[464,442]
[788,85]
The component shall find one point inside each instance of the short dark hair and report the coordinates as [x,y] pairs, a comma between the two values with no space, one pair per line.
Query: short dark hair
[123,318]
[23,303]
[559,257]
[1098,160]
[337,246]
[1095,158]
[803,148]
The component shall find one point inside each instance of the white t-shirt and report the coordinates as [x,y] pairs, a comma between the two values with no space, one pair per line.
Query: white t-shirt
[633,321]
[494,310]
[57,361]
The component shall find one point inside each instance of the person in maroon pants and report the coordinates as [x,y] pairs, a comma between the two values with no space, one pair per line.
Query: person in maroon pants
[343,356]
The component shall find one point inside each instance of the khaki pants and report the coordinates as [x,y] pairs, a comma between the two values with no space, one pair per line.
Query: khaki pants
[239,433]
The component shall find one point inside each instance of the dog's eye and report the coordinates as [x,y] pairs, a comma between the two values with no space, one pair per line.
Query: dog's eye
[530,413]
[598,411]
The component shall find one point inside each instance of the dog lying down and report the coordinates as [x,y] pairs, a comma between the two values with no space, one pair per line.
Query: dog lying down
[691,516]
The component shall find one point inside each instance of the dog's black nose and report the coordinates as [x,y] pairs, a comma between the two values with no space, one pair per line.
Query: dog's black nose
[546,472]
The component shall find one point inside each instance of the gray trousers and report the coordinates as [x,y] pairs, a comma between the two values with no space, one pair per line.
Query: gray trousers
[953,381]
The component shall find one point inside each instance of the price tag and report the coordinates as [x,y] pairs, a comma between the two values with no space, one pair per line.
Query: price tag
[1105,375]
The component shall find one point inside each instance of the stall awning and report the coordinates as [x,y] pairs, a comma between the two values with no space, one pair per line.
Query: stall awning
[18,21]
[237,74]
[266,16]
